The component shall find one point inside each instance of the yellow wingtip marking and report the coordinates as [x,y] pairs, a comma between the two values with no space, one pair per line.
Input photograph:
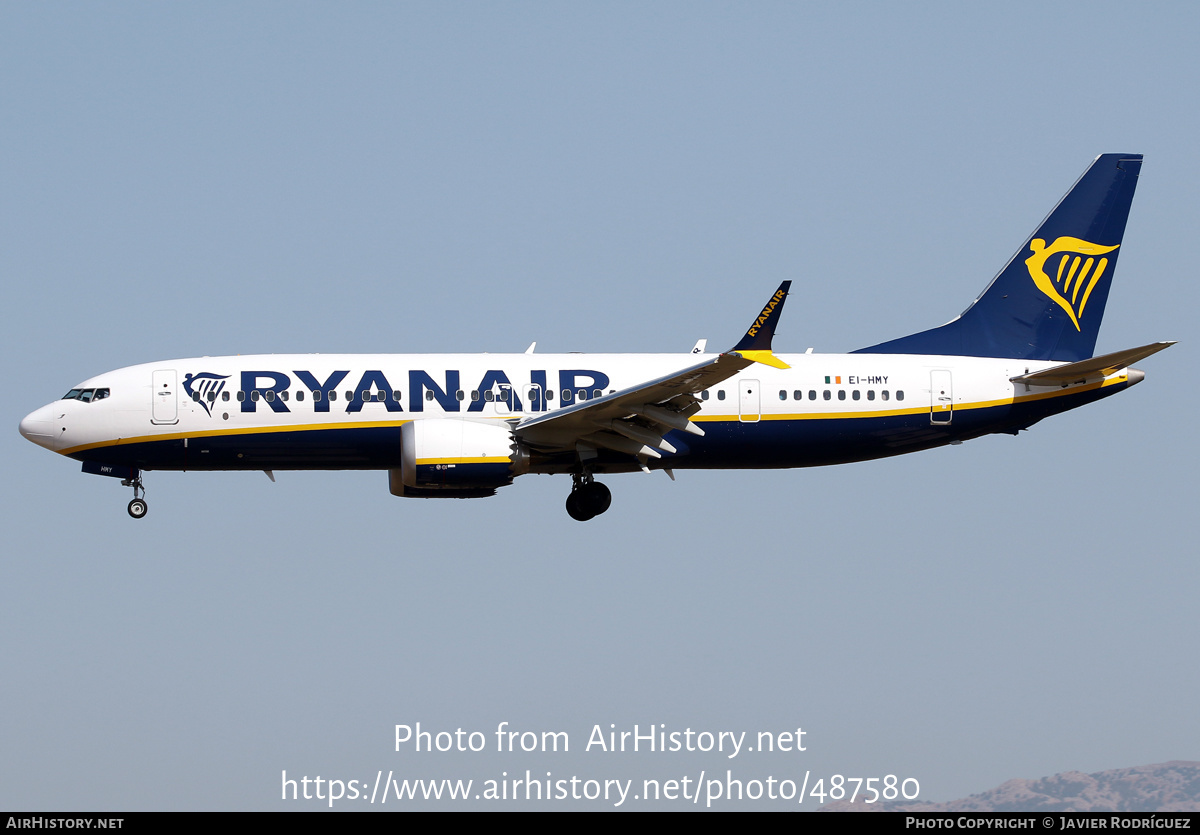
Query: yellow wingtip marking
[765,357]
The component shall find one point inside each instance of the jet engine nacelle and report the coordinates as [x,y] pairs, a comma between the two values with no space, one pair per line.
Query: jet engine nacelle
[456,459]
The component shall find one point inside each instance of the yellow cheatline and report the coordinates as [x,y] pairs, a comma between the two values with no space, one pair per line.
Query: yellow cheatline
[923,410]
[425,462]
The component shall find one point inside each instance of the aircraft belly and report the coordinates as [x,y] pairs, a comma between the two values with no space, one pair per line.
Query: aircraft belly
[805,441]
[320,449]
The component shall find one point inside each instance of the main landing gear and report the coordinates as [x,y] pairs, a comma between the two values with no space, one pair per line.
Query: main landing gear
[137,508]
[588,498]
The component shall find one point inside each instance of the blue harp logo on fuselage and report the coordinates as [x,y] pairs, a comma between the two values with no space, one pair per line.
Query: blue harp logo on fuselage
[204,388]
[1075,273]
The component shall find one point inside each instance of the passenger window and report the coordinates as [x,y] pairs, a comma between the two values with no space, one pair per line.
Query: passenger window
[349,397]
[566,395]
[212,396]
[396,396]
[720,394]
[489,395]
[899,395]
[797,395]
[224,397]
[241,396]
[884,394]
[871,394]
[428,395]
[254,395]
[475,396]
[597,393]
[284,395]
[581,394]
[841,394]
[460,395]
[826,394]
[332,394]
[270,396]
[300,396]
[856,395]
[196,396]
[549,394]
[812,394]
[704,395]
[782,394]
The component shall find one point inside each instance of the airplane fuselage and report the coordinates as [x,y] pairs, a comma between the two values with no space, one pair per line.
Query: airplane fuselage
[329,411]
[465,425]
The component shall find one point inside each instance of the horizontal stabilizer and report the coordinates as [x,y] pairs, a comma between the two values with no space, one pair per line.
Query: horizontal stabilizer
[1096,368]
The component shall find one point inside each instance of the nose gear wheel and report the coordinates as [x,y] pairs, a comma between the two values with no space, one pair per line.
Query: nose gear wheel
[138,507]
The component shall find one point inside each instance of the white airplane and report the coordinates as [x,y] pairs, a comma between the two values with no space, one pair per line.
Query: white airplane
[464,425]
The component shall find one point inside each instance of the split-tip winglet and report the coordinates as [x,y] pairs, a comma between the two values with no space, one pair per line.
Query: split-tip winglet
[756,343]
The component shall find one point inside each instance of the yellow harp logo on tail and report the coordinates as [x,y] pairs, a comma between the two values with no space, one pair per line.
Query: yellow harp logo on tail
[1071,271]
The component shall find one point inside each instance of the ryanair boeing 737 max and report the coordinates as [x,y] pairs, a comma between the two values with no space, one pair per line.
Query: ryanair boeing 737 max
[464,425]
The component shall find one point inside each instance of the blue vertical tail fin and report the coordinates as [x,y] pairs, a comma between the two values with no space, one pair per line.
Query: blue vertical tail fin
[1047,302]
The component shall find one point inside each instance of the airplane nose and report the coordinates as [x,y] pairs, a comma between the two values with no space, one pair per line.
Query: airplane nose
[39,428]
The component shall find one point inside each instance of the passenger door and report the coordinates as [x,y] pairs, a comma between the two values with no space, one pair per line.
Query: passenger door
[941,397]
[164,405]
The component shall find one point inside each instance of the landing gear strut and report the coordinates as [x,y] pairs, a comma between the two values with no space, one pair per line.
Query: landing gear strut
[137,508]
[588,498]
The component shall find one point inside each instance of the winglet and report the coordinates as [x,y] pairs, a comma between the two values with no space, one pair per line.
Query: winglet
[756,344]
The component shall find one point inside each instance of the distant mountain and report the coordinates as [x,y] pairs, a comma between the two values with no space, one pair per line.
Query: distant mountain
[1166,787]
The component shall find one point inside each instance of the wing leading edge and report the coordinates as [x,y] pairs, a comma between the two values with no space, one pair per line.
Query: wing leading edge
[635,420]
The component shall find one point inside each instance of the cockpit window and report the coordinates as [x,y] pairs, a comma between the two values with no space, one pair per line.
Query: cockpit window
[86,395]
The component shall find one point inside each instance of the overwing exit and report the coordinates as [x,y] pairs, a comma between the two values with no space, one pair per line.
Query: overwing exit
[464,425]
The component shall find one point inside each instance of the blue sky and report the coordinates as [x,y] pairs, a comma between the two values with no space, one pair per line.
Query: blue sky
[222,178]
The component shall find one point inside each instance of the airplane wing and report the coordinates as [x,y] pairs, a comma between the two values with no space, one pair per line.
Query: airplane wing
[635,420]
[1096,368]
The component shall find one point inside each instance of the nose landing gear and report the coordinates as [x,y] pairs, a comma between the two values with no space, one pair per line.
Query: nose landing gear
[137,508]
[588,498]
